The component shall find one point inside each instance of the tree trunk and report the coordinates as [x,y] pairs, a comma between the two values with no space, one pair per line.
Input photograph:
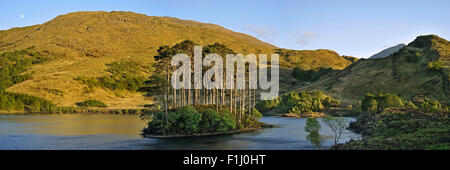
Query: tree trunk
[231,100]
[189,97]
[174,98]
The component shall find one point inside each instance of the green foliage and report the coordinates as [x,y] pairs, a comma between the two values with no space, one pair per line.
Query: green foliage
[92,103]
[310,75]
[315,138]
[298,103]
[267,105]
[408,128]
[380,102]
[432,106]
[156,86]
[410,104]
[312,125]
[210,120]
[414,56]
[436,65]
[187,119]
[192,120]
[22,102]
[14,64]
[256,114]
[330,102]
[123,76]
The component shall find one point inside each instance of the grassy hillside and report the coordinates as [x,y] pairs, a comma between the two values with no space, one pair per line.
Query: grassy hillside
[420,69]
[84,45]
[313,59]
[100,34]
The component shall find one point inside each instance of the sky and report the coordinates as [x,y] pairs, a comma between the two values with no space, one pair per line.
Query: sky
[357,28]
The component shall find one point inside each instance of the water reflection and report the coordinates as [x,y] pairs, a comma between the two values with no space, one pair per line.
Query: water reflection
[72,124]
[121,132]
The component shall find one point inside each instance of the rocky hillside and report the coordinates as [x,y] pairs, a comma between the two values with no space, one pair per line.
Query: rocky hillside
[388,51]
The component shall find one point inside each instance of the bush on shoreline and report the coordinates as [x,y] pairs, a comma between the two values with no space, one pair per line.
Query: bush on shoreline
[299,103]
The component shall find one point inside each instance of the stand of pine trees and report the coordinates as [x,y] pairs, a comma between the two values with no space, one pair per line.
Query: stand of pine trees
[239,101]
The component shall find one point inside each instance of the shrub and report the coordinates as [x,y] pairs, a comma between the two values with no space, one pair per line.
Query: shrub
[124,76]
[189,119]
[380,102]
[92,103]
[435,66]
[310,75]
[330,102]
[267,105]
[256,114]
[299,103]
[429,105]
[210,120]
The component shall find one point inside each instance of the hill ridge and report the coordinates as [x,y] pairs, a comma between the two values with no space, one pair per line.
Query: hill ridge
[405,72]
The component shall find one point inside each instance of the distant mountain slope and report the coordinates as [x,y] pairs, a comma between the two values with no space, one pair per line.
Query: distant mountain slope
[388,51]
[406,72]
[101,34]
[81,44]
[313,59]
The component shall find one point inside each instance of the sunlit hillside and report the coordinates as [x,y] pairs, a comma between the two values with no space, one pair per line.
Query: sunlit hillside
[417,70]
[82,44]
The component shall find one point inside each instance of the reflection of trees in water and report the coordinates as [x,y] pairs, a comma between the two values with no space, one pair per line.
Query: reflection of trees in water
[315,139]
[313,126]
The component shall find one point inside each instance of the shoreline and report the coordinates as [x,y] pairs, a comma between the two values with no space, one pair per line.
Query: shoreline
[83,111]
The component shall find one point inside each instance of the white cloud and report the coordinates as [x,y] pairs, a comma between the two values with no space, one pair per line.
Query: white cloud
[22,16]
[306,37]
[261,31]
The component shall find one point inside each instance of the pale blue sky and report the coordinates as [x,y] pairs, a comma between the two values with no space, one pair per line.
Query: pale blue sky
[351,27]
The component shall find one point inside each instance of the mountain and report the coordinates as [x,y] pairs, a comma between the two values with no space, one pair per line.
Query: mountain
[83,46]
[388,51]
[99,34]
[313,59]
[420,68]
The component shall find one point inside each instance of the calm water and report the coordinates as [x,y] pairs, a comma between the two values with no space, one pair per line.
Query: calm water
[121,132]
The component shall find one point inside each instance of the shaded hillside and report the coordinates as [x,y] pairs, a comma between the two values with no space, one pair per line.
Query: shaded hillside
[419,69]
[313,59]
[388,51]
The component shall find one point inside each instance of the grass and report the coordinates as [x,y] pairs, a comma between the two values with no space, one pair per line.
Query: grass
[313,59]
[59,75]
[398,74]
[83,43]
